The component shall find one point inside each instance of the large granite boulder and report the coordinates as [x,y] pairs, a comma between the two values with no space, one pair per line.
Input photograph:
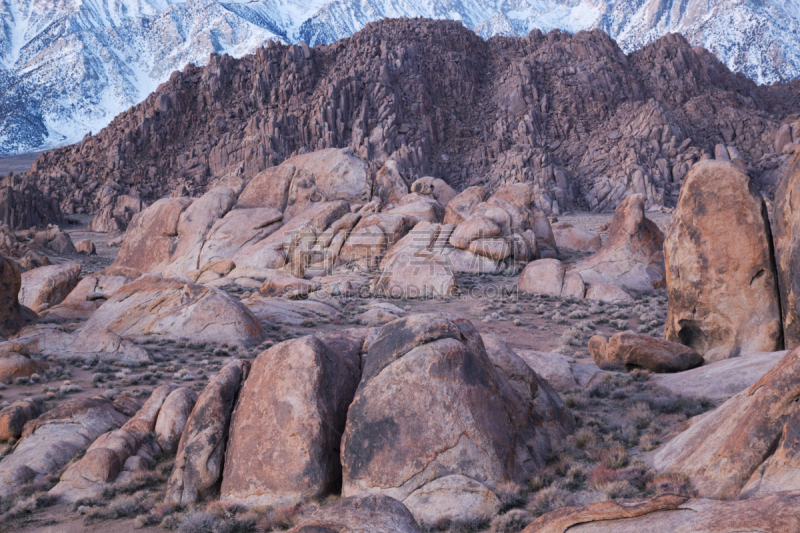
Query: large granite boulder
[748,445]
[668,513]
[643,351]
[107,455]
[632,255]
[173,308]
[47,286]
[432,404]
[285,439]
[786,237]
[198,464]
[363,513]
[721,279]
[49,442]
[172,418]
[550,277]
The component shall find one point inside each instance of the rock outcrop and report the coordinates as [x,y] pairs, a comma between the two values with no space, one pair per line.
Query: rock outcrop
[668,513]
[50,441]
[632,255]
[422,99]
[198,463]
[748,446]
[786,238]
[550,277]
[721,279]
[173,308]
[401,433]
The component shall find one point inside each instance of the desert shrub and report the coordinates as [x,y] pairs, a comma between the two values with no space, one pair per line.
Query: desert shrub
[510,494]
[549,499]
[585,438]
[513,521]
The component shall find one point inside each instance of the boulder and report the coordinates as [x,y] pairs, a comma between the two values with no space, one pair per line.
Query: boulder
[14,417]
[107,455]
[15,362]
[461,206]
[550,276]
[152,236]
[746,446]
[389,184]
[722,379]
[722,285]
[455,498]
[172,418]
[431,404]
[643,351]
[772,513]
[288,286]
[198,463]
[373,236]
[88,344]
[535,391]
[10,283]
[568,236]
[363,513]
[47,286]
[86,247]
[435,187]
[237,230]
[609,293]
[632,256]
[53,439]
[786,239]
[406,275]
[172,309]
[285,438]
[419,208]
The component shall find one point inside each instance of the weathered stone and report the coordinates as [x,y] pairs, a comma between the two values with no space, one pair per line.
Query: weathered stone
[568,236]
[285,438]
[786,238]
[10,283]
[86,247]
[198,464]
[405,275]
[632,256]
[15,362]
[723,294]
[435,187]
[456,498]
[748,437]
[363,513]
[172,308]
[644,351]
[548,276]
[461,206]
[722,379]
[47,286]
[14,417]
[172,418]
[608,293]
[50,441]
[391,447]
[668,513]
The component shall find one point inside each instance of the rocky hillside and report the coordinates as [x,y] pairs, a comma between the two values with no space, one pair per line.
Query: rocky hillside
[67,68]
[573,115]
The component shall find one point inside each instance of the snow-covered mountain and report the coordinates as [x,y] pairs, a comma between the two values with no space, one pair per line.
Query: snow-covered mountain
[68,67]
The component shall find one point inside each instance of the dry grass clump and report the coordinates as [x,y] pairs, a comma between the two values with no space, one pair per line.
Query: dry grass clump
[513,521]
[549,499]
